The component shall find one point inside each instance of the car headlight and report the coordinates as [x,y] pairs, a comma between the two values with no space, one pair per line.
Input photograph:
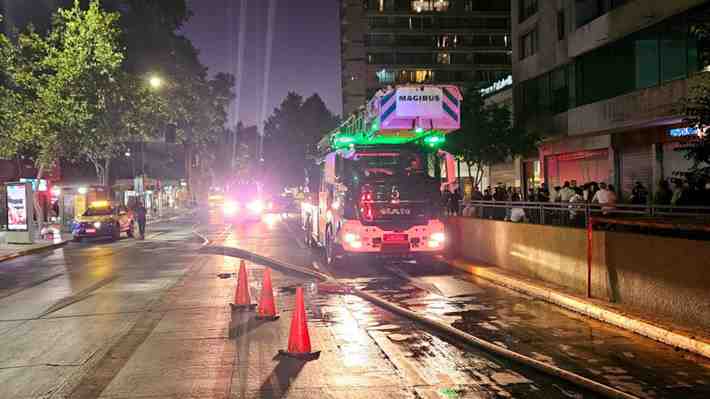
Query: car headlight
[97,225]
[256,206]
[439,237]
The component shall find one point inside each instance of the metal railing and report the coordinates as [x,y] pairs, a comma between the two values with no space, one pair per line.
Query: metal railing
[577,214]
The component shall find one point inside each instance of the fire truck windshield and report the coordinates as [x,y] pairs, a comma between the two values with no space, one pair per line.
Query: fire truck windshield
[386,164]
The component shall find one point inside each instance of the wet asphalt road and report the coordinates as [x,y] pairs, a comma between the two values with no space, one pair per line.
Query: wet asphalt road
[136,319]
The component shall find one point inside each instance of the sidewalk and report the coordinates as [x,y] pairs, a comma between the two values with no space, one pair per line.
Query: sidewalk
[12,251]
[647,325]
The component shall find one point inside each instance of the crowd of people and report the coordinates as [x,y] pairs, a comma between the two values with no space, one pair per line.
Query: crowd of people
[676,192]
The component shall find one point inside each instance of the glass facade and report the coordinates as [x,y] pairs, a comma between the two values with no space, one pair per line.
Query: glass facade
[648,58]
[431,41]
[589,10]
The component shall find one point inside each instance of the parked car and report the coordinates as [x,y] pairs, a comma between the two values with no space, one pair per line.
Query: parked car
[103,220]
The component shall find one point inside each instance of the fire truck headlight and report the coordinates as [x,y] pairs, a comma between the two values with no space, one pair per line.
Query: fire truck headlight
[356,244]
[351,237]
[256,206]
[434,244]
[438,237]
[230,207]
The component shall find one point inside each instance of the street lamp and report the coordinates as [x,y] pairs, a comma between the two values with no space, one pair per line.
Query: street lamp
[156,82]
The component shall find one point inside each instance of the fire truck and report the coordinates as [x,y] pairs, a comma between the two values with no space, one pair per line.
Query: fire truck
[375,188]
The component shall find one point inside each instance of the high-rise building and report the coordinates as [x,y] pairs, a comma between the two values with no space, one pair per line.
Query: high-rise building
[386,42]
[602,80]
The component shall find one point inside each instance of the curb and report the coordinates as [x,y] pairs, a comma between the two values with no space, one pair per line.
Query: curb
[434,325]
[50,247]
[32,251]
[587,308]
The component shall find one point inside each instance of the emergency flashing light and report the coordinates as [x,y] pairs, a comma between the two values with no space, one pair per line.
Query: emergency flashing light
[99,204]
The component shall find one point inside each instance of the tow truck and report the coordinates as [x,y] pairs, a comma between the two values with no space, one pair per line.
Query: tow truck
[375,188]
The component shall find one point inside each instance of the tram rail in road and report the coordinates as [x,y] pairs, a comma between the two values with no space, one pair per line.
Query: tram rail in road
[435,326]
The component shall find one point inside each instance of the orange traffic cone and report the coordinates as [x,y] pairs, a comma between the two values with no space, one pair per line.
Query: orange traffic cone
[242,300]
[299,342]
[267,305]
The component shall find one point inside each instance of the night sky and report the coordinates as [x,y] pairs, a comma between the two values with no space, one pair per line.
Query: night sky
[306,52]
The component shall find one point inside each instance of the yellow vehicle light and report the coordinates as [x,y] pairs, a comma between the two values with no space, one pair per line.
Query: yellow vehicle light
[99,204]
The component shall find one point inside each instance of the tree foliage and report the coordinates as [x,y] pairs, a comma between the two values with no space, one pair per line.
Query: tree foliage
[487,135]
[291,134]
[57,81]
[81,91]
[696,108]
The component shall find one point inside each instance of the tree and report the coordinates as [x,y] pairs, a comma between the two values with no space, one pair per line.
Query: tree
[128,112]
[696,108]
[55,84]
[291,134]
[487,135]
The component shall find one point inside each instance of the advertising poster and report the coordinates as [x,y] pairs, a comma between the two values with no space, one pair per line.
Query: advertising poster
[17,203]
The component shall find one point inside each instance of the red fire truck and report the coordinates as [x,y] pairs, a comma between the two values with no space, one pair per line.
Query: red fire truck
[375,191]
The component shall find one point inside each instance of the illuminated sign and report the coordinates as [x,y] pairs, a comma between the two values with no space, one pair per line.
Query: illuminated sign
[419,102]
[497,86]
[37,185]
[684,132]
[17,207]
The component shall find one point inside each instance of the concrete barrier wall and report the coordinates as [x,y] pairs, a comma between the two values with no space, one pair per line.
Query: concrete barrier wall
[667,277]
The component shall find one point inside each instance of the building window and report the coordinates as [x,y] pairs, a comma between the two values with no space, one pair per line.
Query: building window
[415,58]
[461,58]
[559,90]
[588,10]
[528,44]
[415,76]
[430,5]
[561,25]
[375,40]
[447,41]
[674,61]
[380,58]
[443,58]
[647,66]
[384,76]
[492,58]
[527,9]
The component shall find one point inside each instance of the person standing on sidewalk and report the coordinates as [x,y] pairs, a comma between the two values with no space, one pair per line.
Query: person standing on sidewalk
[140,213]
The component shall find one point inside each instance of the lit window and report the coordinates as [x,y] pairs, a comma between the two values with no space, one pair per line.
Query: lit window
[385,76]
[430,5]
[422,75]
